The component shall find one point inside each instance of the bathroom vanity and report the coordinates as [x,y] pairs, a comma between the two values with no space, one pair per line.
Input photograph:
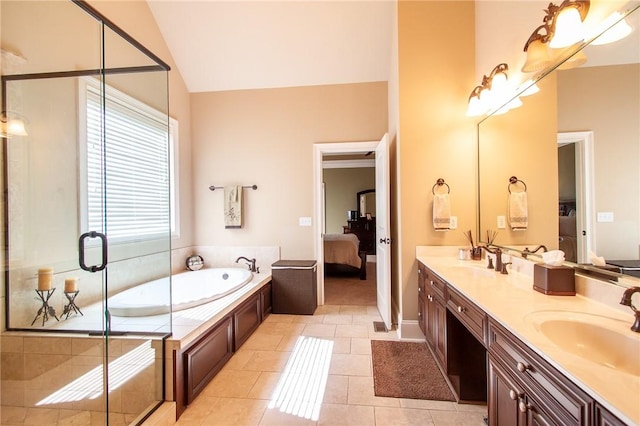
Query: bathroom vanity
[497,340]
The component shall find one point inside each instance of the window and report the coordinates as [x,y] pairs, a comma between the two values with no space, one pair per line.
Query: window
[128,184]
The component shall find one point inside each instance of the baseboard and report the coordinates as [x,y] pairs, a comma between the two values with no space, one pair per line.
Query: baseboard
[410,330]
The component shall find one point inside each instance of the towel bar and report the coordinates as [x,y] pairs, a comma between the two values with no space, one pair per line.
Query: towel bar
[213,187]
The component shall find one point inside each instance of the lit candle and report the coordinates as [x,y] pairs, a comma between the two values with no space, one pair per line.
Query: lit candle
[45,278]
[70,285]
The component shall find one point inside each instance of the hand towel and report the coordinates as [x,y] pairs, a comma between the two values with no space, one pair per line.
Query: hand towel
[441,212]
[518,211]
[232,207]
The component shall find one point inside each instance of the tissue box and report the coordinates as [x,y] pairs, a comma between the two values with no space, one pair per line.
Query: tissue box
[554,280]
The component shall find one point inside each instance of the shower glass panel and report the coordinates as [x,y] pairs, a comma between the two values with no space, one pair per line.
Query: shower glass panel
[86,215]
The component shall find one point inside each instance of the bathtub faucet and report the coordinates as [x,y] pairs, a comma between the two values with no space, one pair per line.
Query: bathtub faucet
[251,263]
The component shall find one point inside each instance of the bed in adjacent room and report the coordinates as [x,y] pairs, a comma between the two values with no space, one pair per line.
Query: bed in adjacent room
[342,255]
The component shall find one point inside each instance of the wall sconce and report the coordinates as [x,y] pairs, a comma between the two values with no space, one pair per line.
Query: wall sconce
[492,93]
[562,27]
[11,124]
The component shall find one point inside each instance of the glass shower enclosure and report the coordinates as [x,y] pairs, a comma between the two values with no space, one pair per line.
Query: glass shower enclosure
[86,149]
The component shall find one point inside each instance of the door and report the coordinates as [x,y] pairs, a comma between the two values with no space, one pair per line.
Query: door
[383,232]
[585,239]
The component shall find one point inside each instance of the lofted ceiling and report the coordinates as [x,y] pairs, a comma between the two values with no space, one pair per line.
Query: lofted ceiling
[236,44]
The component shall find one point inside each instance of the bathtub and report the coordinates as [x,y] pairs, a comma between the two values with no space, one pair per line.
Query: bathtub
[188,289]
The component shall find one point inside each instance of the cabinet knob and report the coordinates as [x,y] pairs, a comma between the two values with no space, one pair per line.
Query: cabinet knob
[419,289]
[431,282]
[514,395]
[523,407]
[461,309]
[522,367]
[430,297]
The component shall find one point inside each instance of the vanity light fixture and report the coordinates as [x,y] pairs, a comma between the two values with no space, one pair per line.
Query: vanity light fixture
[611,29]
[11,124]
[562,27]
[567,28]
[493,92]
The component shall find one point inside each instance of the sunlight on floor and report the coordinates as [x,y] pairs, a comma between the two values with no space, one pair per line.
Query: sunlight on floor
[90,384]
[300,390]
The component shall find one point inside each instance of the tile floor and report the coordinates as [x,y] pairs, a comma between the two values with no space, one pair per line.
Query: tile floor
[251,390]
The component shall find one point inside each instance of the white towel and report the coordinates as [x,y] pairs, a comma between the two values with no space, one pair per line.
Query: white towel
[441,212]
[232,207]
[518,211]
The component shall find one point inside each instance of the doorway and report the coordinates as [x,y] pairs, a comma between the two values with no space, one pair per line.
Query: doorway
[576,214]
[381,239]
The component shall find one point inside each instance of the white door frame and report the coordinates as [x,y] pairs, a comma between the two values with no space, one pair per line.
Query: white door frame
[320,149]
[585,203]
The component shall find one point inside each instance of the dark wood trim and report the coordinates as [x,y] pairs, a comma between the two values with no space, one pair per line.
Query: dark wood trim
[100,17]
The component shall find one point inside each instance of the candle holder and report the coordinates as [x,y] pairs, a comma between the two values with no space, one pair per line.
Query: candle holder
[71,306]
[45,310]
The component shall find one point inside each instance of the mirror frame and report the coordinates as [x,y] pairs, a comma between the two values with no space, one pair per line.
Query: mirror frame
[589,270]
[358,196]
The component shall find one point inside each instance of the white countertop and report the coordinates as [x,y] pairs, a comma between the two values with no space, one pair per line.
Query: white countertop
[510,300]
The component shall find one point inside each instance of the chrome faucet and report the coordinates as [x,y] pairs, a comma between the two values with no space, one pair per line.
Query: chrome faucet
[626,301]
[251,263]
[527,252]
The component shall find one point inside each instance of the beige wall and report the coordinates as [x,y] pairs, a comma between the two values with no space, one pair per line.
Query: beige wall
[605,100]
[436,139]
[341,187]
[266,137]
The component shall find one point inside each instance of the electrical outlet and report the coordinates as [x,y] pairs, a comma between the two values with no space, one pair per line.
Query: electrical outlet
[304,221]
[605,216]
[453,222]
[502,222]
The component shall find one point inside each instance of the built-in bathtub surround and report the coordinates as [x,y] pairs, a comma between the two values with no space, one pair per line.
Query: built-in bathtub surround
[607,372]
[222,256]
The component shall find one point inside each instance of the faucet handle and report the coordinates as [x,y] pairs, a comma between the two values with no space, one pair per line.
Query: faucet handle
[504,268]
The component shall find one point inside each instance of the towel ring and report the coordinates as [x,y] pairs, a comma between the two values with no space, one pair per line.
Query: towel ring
[440,182]
[514,180]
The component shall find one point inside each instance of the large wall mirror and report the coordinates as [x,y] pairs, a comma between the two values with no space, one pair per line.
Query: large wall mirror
[576,147]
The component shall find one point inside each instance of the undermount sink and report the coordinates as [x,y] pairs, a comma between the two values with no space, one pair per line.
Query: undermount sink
[595,338]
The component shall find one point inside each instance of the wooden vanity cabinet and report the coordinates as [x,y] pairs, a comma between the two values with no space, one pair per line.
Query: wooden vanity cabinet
[603,417]
[518,377]
[432,312]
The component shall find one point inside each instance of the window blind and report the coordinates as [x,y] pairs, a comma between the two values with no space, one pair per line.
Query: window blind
[128,177]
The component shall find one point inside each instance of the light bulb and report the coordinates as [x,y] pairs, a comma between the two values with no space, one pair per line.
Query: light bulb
[568,28]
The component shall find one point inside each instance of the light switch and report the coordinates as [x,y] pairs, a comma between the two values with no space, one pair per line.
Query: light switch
[453,222]
[304,221]
[502,222]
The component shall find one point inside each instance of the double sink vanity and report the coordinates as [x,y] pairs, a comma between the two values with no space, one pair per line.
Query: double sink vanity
[533,358]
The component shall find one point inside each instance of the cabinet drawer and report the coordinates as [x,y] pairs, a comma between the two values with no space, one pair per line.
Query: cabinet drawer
[434,284]
[469,314]
[564,400]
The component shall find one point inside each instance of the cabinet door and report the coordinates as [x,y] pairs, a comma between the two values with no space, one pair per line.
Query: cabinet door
[206,357]
[439,332]
[604,417]
[504,398]
[265,300]
[246,319]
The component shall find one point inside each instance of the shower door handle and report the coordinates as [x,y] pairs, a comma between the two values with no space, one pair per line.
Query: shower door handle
[103,238]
